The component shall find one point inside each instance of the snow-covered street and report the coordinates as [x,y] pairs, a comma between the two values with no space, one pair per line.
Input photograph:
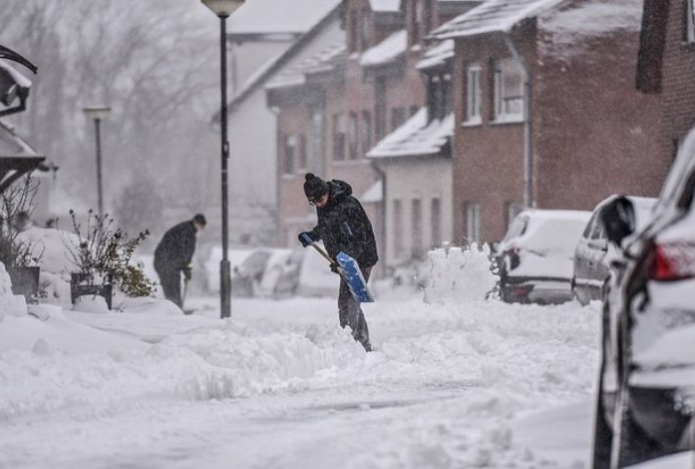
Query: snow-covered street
[454,385]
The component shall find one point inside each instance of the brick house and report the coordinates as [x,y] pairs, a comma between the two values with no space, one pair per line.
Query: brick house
[666,66]
[333,108]
[570,66]
[416,159]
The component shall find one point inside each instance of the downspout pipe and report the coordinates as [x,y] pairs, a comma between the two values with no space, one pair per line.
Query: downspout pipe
[384,207]
[529,202]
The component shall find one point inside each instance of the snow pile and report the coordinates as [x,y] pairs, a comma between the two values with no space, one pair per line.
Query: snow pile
[458,274]
[55,367]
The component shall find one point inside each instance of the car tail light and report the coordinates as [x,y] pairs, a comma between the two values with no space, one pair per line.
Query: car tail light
[673,261]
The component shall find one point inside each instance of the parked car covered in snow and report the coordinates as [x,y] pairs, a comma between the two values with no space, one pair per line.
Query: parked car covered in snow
[535,256]
[592,254]
[647,375]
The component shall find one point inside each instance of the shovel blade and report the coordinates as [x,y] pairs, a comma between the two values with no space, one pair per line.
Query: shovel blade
[354,278]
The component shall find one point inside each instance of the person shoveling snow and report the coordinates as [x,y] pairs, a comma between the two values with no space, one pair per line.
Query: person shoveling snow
[343,227]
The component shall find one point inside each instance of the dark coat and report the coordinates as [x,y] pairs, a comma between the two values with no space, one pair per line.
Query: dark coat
[343,226]
[175,250]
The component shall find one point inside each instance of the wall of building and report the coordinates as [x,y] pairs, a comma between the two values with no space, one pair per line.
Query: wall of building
[488,163]
[416,179]
[594,134]
[678,85]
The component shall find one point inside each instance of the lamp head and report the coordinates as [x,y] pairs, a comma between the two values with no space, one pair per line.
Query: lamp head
[97,112]
[223,8]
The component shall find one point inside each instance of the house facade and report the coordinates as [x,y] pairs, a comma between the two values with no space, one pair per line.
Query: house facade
[666,64]
[546,112]
[342,115]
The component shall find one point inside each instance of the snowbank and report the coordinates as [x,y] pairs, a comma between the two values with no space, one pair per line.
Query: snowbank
[457,274]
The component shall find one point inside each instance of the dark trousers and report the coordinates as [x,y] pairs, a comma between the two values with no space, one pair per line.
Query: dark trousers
[350,312]
[171,284]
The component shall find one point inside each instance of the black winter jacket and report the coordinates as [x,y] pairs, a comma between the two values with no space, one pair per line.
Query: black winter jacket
[175,250]
[343,226]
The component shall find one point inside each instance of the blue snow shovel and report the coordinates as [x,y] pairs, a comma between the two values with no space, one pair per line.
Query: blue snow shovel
[349,270]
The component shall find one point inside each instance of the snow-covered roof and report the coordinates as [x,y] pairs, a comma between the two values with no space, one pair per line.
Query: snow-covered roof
[375,194]
[416,137]
[12,145]
[261,77]
[437,55]
[568,29]
[387,50]
[279,16]
[493,16]
[324,61]
[20,79]
[385,5]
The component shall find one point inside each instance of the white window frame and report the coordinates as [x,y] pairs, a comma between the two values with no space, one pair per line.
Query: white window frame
[473,94]
[508,104]
[473,215]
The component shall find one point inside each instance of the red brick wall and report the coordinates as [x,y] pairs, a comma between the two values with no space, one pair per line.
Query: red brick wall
[678,85]
[594,133]
[488,158]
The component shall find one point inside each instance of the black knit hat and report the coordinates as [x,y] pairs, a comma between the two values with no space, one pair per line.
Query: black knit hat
[314,187]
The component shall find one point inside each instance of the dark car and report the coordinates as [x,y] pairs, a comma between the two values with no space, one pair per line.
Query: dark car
[644,402]
[593,252]
[535,256]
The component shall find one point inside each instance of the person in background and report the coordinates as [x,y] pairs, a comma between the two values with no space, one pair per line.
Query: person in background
[174,255]
[343,226]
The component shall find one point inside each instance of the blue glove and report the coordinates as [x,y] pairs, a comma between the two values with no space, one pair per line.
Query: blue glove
[305,238]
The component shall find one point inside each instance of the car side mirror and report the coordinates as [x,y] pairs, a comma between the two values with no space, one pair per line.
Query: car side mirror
[618,219]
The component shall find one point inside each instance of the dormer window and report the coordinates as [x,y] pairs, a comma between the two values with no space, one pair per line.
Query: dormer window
[364,29]
[508,91]
[352,31]
[417,20]
[439,102]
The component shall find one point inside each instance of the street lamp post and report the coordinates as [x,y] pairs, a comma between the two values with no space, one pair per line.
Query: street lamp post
[97,114]
[224,8]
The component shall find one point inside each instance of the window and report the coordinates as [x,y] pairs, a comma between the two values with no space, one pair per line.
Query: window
[397,117]
[338,137]
[689,21]
[472,222]
[364,29]
[447,100]
[473,94]
[416,228]
[352,35]
[508,90]
[316,140]
[366,131]
[436,221]
[397,228]
[353,136]
[380,108]
[290,151]
[303,163]
[417,16]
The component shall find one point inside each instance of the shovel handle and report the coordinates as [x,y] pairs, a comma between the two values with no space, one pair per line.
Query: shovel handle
[326,256]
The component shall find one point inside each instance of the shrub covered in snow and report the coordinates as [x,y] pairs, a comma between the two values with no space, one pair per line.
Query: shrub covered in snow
[457,274]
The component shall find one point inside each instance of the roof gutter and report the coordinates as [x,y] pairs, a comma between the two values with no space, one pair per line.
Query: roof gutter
[528,147]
